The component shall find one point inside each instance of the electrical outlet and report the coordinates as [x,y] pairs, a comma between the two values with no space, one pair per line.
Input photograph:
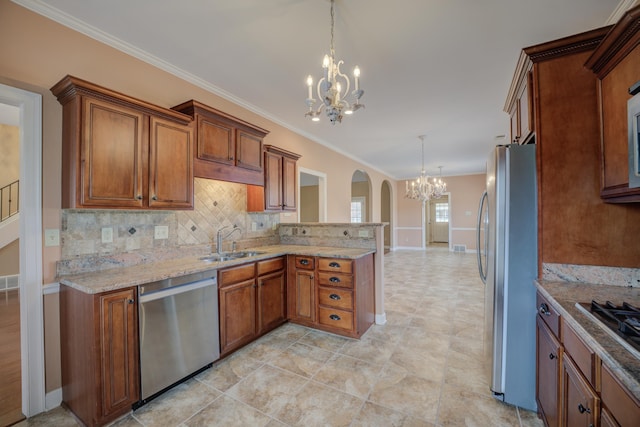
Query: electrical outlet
[635,278]
[254,226]
[52,237]
[363,233]
[274,226]
[161,232]
[107,235]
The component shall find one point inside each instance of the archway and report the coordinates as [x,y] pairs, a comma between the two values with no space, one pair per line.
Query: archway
[386,212]
[360,197]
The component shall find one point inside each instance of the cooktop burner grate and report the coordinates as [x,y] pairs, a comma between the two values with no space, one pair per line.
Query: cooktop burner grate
[623,319]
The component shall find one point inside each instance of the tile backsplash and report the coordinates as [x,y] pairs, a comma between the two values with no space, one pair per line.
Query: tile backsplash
[216,204]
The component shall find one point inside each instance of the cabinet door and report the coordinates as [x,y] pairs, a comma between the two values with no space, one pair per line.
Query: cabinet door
[119,351]
[581,404]
[170,165]
[248,151]
[237,315]
[215,141]
[113,155]
[289,184]
[305,296]
[273,182]
[548,359]
[271,301]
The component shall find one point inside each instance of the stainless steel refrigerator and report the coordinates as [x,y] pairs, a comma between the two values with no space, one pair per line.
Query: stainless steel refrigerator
[507,261]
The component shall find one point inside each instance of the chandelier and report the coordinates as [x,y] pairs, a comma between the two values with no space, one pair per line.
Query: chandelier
[424,188]
[333,88]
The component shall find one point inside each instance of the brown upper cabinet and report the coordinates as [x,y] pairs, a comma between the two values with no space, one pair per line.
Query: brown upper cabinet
[616,63]
[280,183]
[519,102]
[122,153]
[227,148]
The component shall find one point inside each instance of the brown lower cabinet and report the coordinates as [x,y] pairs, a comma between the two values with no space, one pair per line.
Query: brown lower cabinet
[252,301]
[574,387]
[99,346]
[332,294]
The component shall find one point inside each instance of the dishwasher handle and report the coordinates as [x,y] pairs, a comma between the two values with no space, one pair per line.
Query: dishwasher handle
[167,292]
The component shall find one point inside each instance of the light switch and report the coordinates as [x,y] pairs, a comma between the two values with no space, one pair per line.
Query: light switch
[161,232]
[52,237]
[107,235]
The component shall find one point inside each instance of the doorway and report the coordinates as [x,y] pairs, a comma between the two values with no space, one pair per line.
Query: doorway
[438,220]
[312,196]
[360,197]
[31,332]
[385,213]
[10,368]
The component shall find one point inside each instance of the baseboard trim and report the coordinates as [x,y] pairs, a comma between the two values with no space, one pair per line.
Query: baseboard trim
[381,319]
[53,399]
[51,288]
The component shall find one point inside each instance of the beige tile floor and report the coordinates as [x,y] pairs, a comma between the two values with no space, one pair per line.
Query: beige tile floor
[422,368]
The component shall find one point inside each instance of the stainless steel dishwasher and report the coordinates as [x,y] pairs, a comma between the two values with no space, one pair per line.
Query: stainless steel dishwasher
[179,334]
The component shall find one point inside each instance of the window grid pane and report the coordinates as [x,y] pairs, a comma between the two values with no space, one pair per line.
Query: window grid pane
[356,212]
[442,212]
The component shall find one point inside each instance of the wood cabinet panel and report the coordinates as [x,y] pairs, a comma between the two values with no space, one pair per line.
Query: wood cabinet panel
[112,156]
[548,314]
[233,275]
[581,404]
[335,318]
[249,151]
[215,142]
[305,301]
[271,301]
[338,265]
[305,263]
[548,366]
[280,183]
[623,407]
[289,184]
[616,62]
[584,358]
[99,353]
[237,315]
[269,265]
[170,165]
[335,279]
[273,182]
[338,298]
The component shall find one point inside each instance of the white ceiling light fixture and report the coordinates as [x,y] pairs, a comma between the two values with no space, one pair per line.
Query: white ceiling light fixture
[424,188]
[333,88]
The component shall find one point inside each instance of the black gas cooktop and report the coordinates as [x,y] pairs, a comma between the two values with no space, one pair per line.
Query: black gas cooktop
[622,319]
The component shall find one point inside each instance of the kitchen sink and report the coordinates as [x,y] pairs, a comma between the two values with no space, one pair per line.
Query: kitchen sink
[228,256]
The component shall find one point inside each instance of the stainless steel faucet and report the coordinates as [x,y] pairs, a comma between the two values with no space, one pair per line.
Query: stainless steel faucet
[220,237]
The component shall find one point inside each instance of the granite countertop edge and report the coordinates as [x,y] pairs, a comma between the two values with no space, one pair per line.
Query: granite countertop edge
[564,296]
[125,277]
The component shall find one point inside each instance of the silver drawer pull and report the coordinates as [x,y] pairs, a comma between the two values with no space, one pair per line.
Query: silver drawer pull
[334,280]
[544,309]
[334,317]
[335,297]
[334,265]
[304,261]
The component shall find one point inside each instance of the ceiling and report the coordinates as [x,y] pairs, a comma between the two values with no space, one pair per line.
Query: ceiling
[440,68]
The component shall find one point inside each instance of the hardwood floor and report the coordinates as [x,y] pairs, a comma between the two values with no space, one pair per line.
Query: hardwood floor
[10,386]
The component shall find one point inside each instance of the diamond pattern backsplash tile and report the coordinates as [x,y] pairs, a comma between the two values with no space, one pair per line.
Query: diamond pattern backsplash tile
[217,204]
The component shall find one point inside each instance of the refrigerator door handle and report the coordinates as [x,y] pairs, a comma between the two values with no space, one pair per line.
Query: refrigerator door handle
[485,245]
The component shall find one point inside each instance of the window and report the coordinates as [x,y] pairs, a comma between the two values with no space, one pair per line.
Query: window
[442,212]
[358,210]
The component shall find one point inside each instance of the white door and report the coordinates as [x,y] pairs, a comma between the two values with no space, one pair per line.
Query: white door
[439,220]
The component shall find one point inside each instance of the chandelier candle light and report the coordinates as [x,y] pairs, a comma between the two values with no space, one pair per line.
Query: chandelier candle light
[333,88]
[424,188]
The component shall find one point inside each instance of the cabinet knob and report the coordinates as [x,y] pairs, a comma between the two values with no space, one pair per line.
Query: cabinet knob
[311,277]
[139,197]
[552,356]
[154,198]
[334,317]
[544,309]
[130,301]
[335,297]
[582,409]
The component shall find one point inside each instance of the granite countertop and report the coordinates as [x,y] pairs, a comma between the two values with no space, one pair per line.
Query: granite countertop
[124,277]
[565,295]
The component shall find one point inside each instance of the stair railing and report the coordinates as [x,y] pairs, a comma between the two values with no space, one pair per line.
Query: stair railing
[9,200]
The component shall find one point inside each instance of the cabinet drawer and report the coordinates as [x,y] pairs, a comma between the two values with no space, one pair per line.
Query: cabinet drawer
[335,279]
[580,353]
[338,298]
[232,275]
[336,318]
[269,265]
[622,406]
[548,314]
[305,262]
[335,264]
